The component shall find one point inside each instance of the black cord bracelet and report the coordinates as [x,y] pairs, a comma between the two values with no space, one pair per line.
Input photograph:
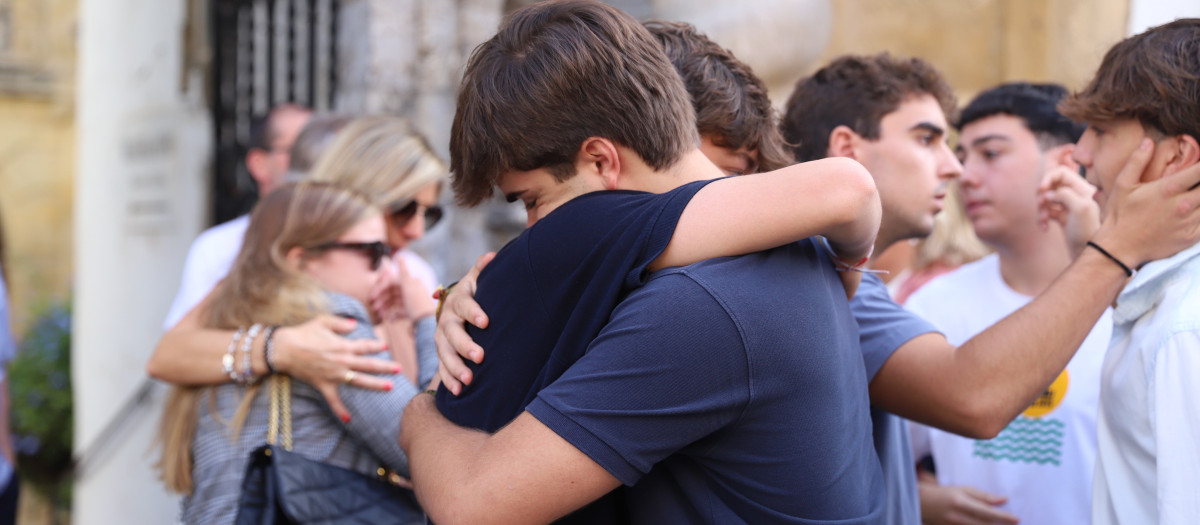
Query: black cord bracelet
[269,349]
[1128,271]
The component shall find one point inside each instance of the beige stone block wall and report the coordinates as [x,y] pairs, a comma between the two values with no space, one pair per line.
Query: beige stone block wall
[981,43]
[37,146]
[37,149]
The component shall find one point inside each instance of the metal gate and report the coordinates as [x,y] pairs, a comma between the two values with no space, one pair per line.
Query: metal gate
[265,52]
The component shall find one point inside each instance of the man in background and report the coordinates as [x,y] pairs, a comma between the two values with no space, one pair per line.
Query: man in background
[1039,469]
[213,252]
[890,114]
[1142,107]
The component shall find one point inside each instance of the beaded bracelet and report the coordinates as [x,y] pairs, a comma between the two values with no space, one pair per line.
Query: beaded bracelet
[228,360]
[269,348]
[247,343]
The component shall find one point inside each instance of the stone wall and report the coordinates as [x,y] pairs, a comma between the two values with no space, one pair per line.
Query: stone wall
[37,149]
[981,43]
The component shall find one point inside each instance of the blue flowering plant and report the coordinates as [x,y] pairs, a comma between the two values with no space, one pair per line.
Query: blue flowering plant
[40,404]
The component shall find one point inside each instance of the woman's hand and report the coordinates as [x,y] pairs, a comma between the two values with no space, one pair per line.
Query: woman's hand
[942,504]
[454,345]
[317,353]
[401,295]
[1066,198]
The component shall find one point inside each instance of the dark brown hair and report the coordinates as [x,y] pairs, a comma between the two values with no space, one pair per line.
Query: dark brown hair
[555,74]
[1153,77]
[857,92]
[732,106]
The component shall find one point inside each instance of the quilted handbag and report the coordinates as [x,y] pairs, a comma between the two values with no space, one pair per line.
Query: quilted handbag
[282,487]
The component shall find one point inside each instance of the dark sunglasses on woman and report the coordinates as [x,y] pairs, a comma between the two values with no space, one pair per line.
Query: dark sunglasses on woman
[400,215]
[375,251]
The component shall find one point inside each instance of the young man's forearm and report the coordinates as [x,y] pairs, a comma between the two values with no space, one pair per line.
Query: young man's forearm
[525,473]
[439,455]
[834,197]
[190,355]
[978,388]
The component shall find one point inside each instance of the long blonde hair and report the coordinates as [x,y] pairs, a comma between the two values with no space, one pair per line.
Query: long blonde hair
[383,157]
[262,288]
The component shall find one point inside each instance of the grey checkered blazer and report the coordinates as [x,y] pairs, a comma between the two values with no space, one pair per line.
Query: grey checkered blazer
[364,444]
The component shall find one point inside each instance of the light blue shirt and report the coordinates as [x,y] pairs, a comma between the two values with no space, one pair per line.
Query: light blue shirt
[1149,462]
[8,350]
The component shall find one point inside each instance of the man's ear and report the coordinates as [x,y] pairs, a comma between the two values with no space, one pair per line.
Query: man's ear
[843,142]
[1184,152]
[599,157]
[1062,155]
[256,164]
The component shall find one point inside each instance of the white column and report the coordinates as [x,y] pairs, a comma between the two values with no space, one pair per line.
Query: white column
[143,144]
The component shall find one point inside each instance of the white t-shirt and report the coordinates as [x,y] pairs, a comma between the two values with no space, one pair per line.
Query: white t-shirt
[1148,471]
[208,261]
[212,255]
[1043,461]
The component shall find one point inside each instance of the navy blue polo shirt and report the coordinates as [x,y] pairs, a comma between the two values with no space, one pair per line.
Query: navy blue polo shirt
[548,293]
[551,290]
[729,391]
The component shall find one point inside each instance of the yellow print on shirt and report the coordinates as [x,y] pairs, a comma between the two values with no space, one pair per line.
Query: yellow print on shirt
[1050,399]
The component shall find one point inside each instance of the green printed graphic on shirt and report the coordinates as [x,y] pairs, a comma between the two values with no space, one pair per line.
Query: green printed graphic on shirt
[1030,438]
[1025,441]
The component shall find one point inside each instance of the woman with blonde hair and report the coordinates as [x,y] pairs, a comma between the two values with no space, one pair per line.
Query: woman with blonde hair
[381,157]
[388,160]
[367,155]
[310,249]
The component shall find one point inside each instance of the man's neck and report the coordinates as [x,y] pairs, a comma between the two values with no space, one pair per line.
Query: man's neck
[692,166]
[1029,263]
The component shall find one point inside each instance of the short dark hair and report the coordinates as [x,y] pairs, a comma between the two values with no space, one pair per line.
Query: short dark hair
[857,92]
[1153,77]
[555,74]
[731,103]
[1035,104]
[264,128]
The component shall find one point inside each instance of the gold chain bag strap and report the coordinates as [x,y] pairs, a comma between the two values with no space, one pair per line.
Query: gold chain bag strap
[280,419]
[281,486]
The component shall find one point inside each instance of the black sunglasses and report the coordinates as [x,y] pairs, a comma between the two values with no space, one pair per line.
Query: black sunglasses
[402,214]
[376,251]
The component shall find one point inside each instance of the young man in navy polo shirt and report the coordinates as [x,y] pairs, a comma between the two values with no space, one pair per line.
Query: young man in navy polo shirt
[729,390]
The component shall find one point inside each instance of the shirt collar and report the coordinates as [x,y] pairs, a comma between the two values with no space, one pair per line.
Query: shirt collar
[1144,290]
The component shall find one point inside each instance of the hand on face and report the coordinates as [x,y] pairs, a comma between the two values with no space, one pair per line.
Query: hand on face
[1066,198]
[400,295]
[1145,221]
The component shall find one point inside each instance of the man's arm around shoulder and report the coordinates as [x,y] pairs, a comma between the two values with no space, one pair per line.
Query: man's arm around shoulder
[978,388]
[525,473]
